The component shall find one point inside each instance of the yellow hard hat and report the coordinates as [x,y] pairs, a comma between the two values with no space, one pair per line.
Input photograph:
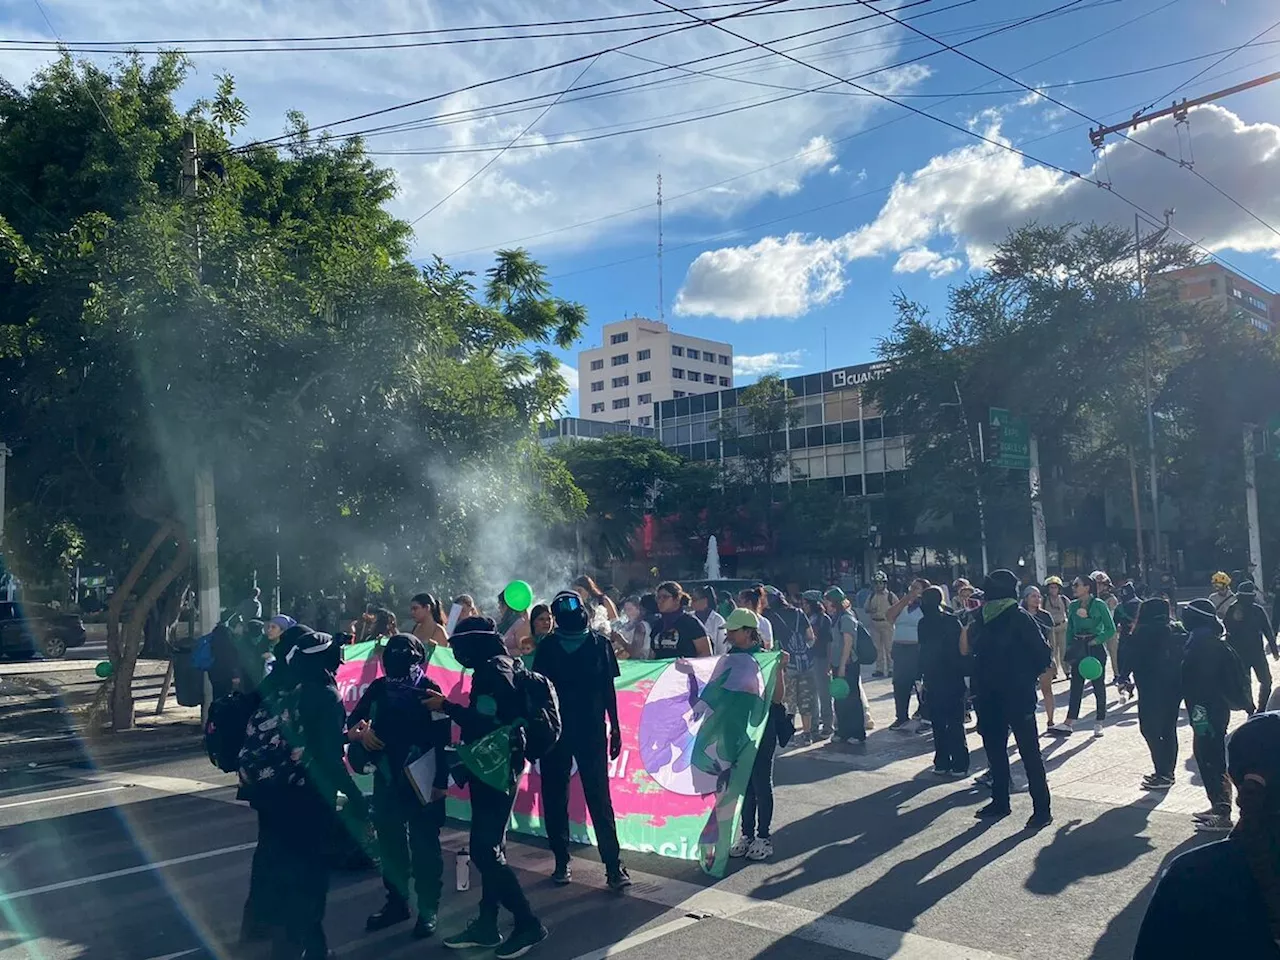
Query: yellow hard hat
[1220,579]
[1053,580]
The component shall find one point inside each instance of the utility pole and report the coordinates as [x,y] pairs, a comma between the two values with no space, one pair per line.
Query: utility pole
[1157,551]
[206,511]
[1251,506]
[1038,537]
[5,453]
[977,474]
[662,296]
[1178,109]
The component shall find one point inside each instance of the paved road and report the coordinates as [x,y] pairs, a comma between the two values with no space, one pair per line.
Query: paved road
[875,858]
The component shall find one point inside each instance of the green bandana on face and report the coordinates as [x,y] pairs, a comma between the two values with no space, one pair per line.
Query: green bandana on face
[570,643]
[993,608]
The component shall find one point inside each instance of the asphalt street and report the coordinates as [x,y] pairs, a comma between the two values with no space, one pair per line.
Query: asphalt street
[148,857]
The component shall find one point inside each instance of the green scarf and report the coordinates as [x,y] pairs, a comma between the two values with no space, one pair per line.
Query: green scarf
[571,642]
[993,608]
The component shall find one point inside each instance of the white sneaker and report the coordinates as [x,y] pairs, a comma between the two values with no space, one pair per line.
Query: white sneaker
[1062,729]
[1097,728]
[740,847]
[1219,823]
[761,849]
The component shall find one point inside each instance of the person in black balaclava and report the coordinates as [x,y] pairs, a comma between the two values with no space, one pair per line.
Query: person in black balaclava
[581,665]
[1223,899]
[394,727]
[943,670]
[1248,629]
[1010,654]
[494,702]
[1152,652]
[1125,616]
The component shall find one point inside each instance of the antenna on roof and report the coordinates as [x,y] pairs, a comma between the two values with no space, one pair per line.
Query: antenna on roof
[662,299]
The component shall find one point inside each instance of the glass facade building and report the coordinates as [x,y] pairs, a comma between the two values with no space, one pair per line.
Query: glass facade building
[576,428]
[835,437]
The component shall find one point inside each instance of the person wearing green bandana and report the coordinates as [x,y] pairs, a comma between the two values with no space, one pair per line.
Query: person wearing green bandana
[581,664]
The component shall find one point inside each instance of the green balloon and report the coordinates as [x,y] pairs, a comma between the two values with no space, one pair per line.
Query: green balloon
[839,688]
[104,669]
[1090,668]
[518,595]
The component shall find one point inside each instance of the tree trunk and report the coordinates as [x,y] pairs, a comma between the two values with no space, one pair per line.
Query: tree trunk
[131,642]
[119,598]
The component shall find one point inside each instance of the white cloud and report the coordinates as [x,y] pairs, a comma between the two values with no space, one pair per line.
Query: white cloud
[569,405]
[922,258]
[755,365]
[776,277]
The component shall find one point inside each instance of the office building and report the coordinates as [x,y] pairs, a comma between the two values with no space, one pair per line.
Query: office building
[1213,282]
[837,438]
[643,362]
[573,429]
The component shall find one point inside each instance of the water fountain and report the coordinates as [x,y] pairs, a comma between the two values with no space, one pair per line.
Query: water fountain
[713,559]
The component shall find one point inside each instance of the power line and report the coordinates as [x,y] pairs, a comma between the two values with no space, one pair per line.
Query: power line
[494,159]
[1226,56]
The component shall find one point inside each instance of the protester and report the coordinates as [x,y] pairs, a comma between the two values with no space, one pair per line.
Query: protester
[877,606]
[467,608]
[705,602]
[513,627]
[494,702]
[1221,597]
[850,714]
[277,625]
[1055,604]
[633,634]
[942,666]
[752,598]
[541,625]
[1010,654]
[823,711]
[382,625]
[795,637]
[250,608]
[1223,899]
[395,729]
[1248,629]
[225,670]
[591,594]
[1152,653]
[1125,616]
[905,616]
[580,664]
[1032,601]
[743,631]
[254,651]
[1089,626]
[675,631]
[428,622]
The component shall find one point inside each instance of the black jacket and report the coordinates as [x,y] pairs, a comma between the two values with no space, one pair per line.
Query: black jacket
[405,726]
[1211,672]
[940,660]
[1010,654]
[584,682]
[1152,650]
[494,699]
[1248,627]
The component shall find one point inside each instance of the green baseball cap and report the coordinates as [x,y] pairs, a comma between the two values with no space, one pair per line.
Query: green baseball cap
[836,595]
[741,619]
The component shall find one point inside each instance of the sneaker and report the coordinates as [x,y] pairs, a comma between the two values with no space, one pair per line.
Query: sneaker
[1152,782]
[562,874]
[992,812]
[877,674]
[823,734]
[898,724]
[761,849]
[1062,729]
[740,847]
[1204,815]
[940,771]
[801,739]
[1218,823]
[1097,728]
[868,725]
[958,774]
[618,879]
[1040,820]
[480,932]
[426,925]
[521,942]
[393,911]
[983,779]
[924,726]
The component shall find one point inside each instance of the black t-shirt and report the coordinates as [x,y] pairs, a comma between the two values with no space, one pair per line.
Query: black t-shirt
[677,640]
[823,634]
[583,680]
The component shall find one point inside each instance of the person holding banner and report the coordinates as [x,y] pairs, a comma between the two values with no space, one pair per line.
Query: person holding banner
[677,633]
[580,663]
[428,622]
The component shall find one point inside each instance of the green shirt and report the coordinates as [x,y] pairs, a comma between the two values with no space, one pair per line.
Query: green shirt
[1098,622]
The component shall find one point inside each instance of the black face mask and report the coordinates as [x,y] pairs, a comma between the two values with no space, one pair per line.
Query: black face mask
[398,663]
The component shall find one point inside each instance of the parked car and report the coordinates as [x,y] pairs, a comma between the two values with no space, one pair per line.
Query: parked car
[30,628]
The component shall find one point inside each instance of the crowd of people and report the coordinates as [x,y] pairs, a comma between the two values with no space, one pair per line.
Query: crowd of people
[960,653]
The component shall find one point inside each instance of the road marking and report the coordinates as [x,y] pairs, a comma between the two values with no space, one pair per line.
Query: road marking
[174,785]
[127,872]
[65,796]
[639,939]
[174,956]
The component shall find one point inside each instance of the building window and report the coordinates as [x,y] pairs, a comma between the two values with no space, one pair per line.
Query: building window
[724,361]
[597,408]
[677,373]
[621,382]
[695,376]
[724,381]
[619,359]
[677,351]
[597,386]
[693,354]
[644,376]
[645,421]
[677,394]
[622,403]
[1213,284]
[644,399]
[618,338]
[643,354]
[597,364]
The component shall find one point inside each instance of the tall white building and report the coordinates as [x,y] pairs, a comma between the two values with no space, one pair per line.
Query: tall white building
[643,362]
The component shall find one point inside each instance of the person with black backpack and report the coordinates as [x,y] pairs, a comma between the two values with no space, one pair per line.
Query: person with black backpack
[793,634]
[580,663]
[1152,653]
[500,697]
[395,729]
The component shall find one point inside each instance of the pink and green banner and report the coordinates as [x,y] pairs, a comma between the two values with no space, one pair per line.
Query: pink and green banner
[690,730]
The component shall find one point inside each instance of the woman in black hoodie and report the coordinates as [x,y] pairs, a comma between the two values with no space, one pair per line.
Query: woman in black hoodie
[943,670]
[1152,653]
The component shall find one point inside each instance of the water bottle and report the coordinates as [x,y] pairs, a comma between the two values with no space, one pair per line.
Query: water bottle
[462,870]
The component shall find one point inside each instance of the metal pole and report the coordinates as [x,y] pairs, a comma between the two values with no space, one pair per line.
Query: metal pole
[278,609]
[1038,536]
[5,452]
[1157,549]
[1251,506]
[977,474]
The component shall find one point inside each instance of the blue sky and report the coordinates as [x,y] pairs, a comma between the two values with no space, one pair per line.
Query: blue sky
[783,219]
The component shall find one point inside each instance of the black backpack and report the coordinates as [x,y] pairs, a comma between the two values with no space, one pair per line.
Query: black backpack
[541,711]
[224,730]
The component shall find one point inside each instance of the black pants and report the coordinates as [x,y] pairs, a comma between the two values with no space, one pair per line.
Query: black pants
[851,722]
[1158,705]
[906,671]
[1210,751]
[995,723]
[294,840]
[1255,659]
[592,754]
[946,706]
[757,800]
[409,845]
[1099,653]
[490,812]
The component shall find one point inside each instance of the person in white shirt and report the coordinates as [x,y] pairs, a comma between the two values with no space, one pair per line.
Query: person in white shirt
[752,598]
[704,608]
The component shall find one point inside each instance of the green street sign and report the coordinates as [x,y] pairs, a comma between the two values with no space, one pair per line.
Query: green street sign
[1011,438]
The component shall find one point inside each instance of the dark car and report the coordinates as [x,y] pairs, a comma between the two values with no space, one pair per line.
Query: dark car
[30,628]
